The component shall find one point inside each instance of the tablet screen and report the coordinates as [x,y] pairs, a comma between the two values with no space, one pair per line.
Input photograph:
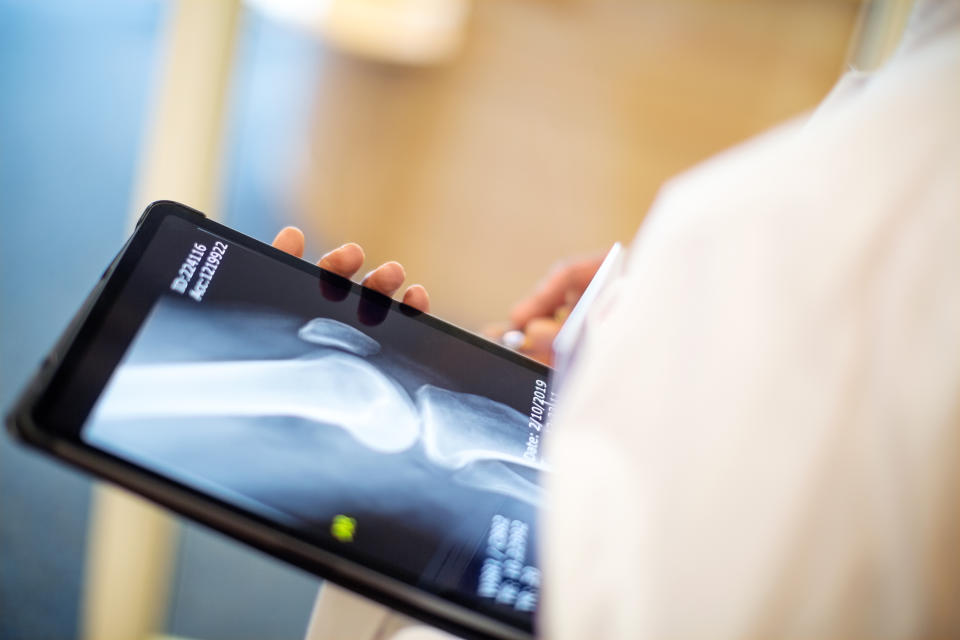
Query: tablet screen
[332,413]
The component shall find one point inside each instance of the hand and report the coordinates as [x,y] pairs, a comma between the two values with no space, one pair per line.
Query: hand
[346,261]
[540,316]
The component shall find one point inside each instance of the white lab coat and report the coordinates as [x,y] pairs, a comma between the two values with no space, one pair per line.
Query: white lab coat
[761,435]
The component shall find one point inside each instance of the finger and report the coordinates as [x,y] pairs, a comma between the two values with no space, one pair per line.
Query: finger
[495,331]
[386,278]
[416,296]
[551,293]
[562,286]
[513,339]
[343,261]
[544,357]
[540,333]
[290,240]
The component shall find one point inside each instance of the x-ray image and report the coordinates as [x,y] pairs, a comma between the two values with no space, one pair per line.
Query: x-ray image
[409,445]
[339,380]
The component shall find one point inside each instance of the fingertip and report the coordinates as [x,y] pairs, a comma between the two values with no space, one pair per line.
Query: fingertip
[495,331]
[347,257]
[539,334]
[290,240]
[355,249]
[386,278]
[416,296]
[542,328]
[345,260]
[396,267]
[521,314]
[389,273]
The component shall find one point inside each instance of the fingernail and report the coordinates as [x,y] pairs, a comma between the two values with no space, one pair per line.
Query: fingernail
[513,339]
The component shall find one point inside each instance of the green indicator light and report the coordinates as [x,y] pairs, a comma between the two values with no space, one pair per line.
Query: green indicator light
[343,528]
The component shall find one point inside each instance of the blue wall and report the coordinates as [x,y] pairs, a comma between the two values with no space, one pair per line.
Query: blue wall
[75,80]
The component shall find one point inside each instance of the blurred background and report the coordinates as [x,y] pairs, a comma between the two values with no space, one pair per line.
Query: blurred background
[477,142]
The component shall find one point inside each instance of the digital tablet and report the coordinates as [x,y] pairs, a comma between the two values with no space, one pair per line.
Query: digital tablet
[322,422]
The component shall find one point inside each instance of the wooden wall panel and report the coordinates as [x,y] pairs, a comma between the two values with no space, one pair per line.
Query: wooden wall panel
[551,133]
